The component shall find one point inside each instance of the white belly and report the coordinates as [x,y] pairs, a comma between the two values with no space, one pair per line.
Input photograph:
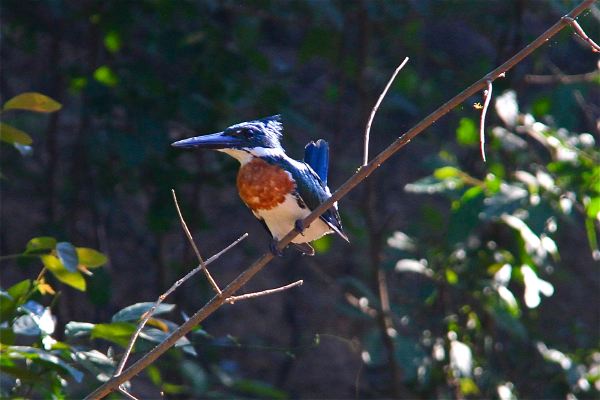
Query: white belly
[281,219]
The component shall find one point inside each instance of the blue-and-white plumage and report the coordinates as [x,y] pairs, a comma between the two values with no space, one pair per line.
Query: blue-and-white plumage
[261,139]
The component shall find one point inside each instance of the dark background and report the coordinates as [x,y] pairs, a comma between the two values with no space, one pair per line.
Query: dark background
[133,76]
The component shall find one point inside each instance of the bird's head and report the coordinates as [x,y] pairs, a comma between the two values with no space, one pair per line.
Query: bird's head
[253,136]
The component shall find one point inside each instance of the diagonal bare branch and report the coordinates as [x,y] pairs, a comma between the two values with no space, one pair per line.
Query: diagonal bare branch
[217,301]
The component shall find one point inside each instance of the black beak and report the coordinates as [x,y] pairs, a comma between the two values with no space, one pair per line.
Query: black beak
[216,141]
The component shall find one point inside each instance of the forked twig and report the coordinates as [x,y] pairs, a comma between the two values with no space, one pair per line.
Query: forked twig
[217,301]
[162,298]
[233,299]
[487,95]
[374,111]
[581,33]
[191,240]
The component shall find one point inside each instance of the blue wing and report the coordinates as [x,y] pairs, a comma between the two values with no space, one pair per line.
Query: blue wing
[317,156]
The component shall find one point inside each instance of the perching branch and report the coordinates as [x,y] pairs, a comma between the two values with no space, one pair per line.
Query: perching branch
[487,95]
[374,111]
[217,301]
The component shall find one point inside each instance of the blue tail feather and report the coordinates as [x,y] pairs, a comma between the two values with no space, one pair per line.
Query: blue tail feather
[316,154]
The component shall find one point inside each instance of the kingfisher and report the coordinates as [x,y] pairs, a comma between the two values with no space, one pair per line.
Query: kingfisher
[279,190]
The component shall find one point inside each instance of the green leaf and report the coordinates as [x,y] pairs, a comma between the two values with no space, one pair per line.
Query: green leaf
[19,291]
[112,41]
[451,276]
[446,172]
[592,208]
[48,358]
[55,266]
[135,311]
[7,336]
[76,329]
[12,135]
[468,387]
[68,255]
[40,243]
[91,258]
[259,389]
[466,133]
[323,244]
[32,101]
[156,336]
[116,332]
[106,76]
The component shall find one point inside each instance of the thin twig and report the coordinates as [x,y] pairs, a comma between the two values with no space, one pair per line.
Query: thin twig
[561,78]
[191,240]
[374,111]
[127,394]
[217,301]
[254,295]
[162,298]
[580,32]
[487,94]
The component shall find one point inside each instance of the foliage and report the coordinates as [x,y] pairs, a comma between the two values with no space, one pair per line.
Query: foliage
[494,264]
[135,76]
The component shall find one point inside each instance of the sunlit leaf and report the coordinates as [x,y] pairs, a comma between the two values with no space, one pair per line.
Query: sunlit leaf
[507,108]
[323,244]
[416,266]
[592,208]
[116,332]
[91,258]
[446,172]
[76,329]
[461,358]
[55,266]
[157,336]
[40,243]
[67,255]
[451,276]
[106,76]
[466,133]
[158,323]
[32,101]
[12,135]
[112,41]
[534,286]
[135,311]
[468,387]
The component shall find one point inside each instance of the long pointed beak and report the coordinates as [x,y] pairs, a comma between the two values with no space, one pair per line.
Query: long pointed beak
[215,141]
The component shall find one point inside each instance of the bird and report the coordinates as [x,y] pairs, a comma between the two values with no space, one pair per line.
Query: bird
[279,190]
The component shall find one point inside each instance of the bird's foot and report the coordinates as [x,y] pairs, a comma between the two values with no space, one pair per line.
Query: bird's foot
[299,226]
[273,247]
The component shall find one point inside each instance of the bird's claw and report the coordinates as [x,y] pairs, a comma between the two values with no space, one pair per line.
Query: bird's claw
[273,247]
[299,226]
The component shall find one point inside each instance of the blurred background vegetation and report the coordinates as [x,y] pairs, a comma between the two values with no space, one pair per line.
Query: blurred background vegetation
[462,279]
